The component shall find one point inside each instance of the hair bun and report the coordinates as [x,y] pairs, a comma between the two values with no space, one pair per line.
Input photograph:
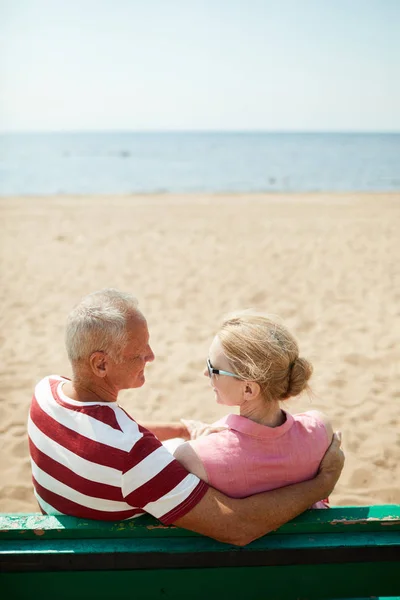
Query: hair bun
[299,373]
[260,348]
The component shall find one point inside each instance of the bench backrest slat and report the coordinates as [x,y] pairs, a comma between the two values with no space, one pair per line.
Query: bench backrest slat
[342,552]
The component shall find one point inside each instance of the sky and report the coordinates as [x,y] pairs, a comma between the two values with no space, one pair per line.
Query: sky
[284,65]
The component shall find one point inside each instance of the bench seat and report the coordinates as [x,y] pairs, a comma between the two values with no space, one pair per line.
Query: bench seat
[341,552]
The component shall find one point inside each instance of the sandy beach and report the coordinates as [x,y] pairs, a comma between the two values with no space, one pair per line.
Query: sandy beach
[328,264]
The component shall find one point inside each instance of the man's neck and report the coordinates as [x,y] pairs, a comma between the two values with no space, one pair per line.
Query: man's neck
[89,391]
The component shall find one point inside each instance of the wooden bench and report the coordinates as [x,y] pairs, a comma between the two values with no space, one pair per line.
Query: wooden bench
[343,552]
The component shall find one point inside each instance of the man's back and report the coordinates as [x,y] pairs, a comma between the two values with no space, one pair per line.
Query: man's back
[91,460]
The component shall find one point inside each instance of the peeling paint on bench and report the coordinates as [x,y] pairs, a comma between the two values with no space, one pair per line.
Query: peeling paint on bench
[342,552]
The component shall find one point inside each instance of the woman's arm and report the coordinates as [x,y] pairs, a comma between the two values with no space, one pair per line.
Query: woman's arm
[187,456]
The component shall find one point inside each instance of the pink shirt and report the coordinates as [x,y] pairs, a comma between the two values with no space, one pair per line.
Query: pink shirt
[248,458]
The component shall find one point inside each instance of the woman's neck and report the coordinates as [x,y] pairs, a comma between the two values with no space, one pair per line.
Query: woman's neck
[264,413]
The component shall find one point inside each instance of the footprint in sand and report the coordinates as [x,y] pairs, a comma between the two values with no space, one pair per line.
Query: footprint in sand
[360,478]
[20,449]
[305,326]
[338,382]
[258,298]
[357,360]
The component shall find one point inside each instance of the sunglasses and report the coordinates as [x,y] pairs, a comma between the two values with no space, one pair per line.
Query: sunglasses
[212,371]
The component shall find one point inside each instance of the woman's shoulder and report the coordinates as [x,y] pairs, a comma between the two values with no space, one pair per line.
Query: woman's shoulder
[318,419]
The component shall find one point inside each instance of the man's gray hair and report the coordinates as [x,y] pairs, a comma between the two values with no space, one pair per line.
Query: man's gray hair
[98,323]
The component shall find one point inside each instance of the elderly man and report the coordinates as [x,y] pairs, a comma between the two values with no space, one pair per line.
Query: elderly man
[90,459]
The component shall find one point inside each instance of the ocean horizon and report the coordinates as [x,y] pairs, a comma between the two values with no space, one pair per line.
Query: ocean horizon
[118,162]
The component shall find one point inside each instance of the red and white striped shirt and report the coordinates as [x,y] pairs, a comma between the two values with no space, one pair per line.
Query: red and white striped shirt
[92,460]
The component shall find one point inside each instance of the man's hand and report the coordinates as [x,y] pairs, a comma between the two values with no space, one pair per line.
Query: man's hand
[240,521]
[332,464]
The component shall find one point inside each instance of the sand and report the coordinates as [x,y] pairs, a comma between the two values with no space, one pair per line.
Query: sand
[328,264]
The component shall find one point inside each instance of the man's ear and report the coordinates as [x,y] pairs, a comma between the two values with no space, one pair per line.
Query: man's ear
[98,363]
[251,390]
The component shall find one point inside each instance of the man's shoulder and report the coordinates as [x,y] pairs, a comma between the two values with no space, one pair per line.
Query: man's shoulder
[43,386]
[49,378]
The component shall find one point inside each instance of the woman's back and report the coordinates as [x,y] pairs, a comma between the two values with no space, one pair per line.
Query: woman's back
[248,458]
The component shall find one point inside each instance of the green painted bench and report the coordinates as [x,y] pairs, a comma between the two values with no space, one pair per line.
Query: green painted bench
[343,552]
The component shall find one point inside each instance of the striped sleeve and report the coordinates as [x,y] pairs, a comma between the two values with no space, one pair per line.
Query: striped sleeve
[156,482]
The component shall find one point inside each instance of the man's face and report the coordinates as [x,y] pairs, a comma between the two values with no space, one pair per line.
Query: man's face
[129,372]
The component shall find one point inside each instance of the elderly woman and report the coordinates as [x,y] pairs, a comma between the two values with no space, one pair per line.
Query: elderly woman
[254,364]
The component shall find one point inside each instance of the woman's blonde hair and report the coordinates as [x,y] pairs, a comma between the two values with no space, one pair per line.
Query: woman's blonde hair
[261,349]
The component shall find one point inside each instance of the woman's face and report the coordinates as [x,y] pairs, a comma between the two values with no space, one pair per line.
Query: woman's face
[228,390]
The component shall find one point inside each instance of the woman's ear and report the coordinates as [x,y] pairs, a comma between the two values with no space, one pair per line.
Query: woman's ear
[252,390]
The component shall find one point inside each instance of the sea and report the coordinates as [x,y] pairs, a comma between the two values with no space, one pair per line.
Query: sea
[195,162]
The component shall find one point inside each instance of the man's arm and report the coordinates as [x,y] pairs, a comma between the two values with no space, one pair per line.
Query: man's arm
[187,429]
[166,431]
[240,521]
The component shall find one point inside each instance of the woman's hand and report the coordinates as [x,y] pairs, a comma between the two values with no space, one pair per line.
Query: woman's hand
[198,429]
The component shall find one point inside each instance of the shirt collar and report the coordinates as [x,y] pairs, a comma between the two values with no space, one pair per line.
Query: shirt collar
[249,427]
